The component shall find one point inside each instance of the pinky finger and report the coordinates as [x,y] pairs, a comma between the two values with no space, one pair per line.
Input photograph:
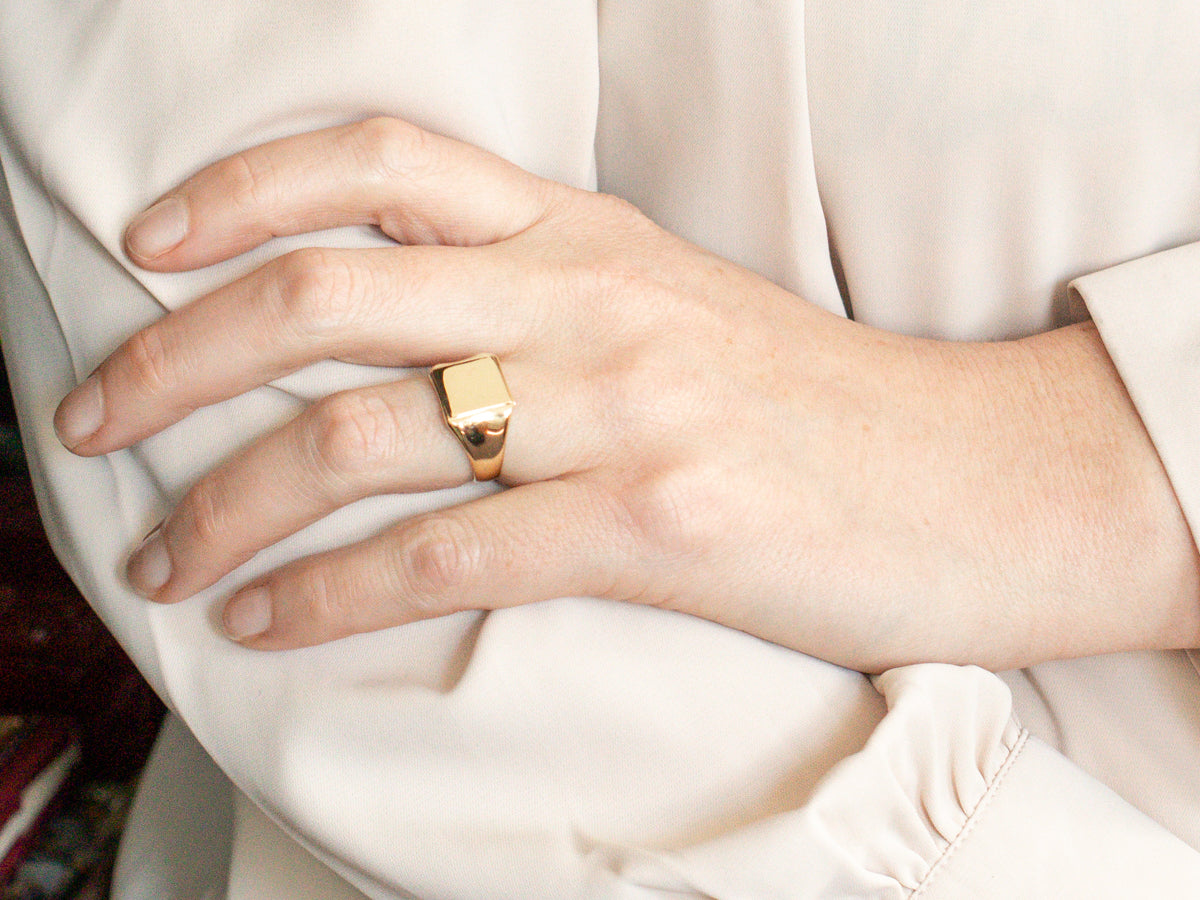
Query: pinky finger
[535,542]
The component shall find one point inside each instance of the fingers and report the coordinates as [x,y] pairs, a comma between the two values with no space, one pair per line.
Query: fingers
[387,439]
[544,540]
[420,188]
[396,307]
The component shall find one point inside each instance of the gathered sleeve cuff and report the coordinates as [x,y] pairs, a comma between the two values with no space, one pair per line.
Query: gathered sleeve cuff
[950,797]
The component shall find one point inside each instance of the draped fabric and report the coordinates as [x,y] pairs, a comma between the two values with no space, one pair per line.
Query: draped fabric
[963,173]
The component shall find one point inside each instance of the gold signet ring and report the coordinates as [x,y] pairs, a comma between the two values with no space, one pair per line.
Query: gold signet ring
[476,403]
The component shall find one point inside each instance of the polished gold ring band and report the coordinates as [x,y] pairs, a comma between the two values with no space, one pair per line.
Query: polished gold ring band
[476,405]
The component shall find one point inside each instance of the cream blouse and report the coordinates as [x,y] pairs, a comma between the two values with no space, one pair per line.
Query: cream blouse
[954,170]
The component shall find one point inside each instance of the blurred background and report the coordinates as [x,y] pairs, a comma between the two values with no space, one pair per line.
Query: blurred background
[76,719]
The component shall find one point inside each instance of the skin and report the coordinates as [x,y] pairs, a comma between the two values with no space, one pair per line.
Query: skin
[733,452]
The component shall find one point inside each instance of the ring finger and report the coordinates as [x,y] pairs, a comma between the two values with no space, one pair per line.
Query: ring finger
[389,438]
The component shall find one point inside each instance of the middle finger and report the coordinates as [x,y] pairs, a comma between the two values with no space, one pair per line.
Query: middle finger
[401,306]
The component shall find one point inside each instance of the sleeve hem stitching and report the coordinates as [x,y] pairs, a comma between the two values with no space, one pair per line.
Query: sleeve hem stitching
[973,817]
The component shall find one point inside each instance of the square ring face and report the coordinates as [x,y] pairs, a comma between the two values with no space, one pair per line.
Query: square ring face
[471,385]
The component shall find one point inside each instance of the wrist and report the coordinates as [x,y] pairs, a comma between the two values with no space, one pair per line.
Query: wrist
[1006,498]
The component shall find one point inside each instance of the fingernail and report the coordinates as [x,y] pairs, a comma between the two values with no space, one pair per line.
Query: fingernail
[150,566]
[248,614]
[81,413]
[160,228]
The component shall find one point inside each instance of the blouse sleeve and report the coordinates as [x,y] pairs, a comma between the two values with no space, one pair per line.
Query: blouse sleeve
[1148,313]
[566,749]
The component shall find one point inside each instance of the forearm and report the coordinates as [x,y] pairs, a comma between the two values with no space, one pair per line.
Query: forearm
[1123,541]
[1043,497]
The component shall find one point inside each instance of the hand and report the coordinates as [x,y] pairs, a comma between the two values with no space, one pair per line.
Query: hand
[687,434]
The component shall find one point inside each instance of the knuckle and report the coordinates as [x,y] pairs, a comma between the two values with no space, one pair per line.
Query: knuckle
[388,152]
[150,360]
[623,228]
[642,392]
[326,601]
[438,563]
[665,513]
[620,211]
[390,148]
[209,512]
[246,178]
[350,433]
[617,284]
[659,397]
[317,288]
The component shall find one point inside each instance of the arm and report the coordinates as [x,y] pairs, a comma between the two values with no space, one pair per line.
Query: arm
[865,497]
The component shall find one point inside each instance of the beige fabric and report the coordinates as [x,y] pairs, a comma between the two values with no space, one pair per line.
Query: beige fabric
[965,164]
[1158,360]
[181,794]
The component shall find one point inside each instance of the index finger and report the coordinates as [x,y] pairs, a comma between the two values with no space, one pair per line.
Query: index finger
[418,187]
[389,306]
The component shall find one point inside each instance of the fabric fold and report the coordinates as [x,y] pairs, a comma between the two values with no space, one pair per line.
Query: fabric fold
[1148,312]
[572,748]
[880,820]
